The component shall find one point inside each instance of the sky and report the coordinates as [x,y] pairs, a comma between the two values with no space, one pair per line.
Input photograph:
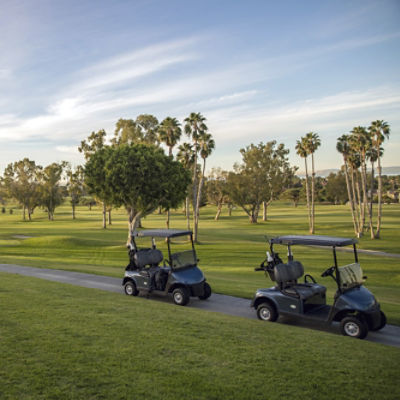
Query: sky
[258,70]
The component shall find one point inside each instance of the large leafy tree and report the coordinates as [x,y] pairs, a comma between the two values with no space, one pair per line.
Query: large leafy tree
[264,173]
[141,130]
[21,181]
[142,178]
[217,192]
[379,130]
[51,195]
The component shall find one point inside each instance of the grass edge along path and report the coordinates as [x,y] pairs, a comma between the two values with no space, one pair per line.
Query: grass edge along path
[65,342]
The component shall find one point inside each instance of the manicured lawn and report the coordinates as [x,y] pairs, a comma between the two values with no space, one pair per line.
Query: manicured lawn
[229,249]
[59,341]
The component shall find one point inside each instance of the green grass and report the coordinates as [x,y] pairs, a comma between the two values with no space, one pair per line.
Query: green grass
[59,341]
[229,249]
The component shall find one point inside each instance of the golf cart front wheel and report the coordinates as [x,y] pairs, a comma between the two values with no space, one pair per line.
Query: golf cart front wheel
[131,289]
[267,312]
[354,327]
[382,324]
[181,296]
[207,292]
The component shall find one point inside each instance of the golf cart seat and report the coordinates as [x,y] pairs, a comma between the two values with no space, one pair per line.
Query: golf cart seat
[150,257]
[286,276]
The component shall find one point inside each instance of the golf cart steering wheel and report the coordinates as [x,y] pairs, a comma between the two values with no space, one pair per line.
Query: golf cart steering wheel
[328,272]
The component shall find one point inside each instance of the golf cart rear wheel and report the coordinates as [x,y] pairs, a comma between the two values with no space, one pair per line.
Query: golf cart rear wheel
[131,289]
[181,296]
[267,312]
[354,327]
[382,323]
[207,292]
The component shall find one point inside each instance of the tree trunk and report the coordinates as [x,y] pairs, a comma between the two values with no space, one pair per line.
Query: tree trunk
[371,201]
[350,197]
[219,209]
[364,190]
[109,217]
[379,219]
[188,212]
[230,209]
[355,203]
[73,210]
[264,211]
[24,213]
[307,194]
[168,217]
[198,199]
[360,209]
[104,215]
[195,189]
[133,223]
[312,230]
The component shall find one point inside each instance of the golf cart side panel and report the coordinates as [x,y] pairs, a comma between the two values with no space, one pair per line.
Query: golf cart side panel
[283,303]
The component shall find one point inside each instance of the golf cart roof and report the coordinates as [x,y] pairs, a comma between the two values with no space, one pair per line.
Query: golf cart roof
[165,233]
[312,240]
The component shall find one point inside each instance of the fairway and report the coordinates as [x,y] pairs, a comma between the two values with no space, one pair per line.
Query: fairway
[229,249]
[64,342]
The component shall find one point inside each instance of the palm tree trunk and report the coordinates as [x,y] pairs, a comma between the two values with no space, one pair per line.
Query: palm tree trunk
[346,171]
[197,208]
[307,194]
[360,208]
[371,201]
[312,195]
[188,212]
[379,219]
[353,194]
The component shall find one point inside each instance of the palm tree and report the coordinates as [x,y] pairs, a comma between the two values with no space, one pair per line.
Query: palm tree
[379,130]
[169,133]
[206,146]
[194,127]
[302,152]
[186,157]
[359,140]
[343,147]
[312,143]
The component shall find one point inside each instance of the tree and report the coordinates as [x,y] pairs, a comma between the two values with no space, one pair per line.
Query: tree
[264,174]
[312,142]
[75,186]
[217,192]
[93,143]
[301,148]
[142,178]
[21,180]
[169,133]
[142,130]
[186,157]
[148,125]
[194,127]
[51,195]
[379,130]
[206,146]
[95,178]
[292,194]
[335,188]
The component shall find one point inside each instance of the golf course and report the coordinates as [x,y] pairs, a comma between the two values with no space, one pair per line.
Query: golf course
[65,342]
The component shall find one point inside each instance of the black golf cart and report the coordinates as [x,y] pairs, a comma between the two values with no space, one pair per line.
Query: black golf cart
[354,306]
[178,274]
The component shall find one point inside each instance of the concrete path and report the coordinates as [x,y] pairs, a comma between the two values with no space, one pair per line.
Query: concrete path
[235,306]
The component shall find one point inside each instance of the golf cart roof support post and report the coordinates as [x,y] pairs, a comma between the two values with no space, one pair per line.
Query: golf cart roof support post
[289,254]
[337,277]
[355,253]
[169,251]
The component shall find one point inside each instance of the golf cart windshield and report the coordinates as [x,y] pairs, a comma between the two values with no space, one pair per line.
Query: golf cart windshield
[183,259]
[350,275]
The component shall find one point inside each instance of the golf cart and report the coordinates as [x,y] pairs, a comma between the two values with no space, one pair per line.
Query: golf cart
[354,306]
[178,274]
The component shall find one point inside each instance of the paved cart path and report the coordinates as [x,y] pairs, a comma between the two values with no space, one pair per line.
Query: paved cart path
[236,306]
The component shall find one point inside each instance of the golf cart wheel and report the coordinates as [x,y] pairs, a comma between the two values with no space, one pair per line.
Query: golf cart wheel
[207,292]
[382,324]
[181,296]
[130,289]
[354,327]
[267,312]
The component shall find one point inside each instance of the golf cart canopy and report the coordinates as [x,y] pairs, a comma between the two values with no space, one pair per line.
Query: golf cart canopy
[164,233]
[312,240]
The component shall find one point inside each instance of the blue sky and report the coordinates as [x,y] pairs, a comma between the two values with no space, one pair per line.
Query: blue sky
[257,70]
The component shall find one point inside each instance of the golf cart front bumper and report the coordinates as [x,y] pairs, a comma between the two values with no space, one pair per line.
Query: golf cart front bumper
[197,289]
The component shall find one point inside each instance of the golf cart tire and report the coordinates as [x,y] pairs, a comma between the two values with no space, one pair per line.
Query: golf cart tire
[382,324]
[131,289]
[207,292]
[354,326]
[267,312]
[181,296]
